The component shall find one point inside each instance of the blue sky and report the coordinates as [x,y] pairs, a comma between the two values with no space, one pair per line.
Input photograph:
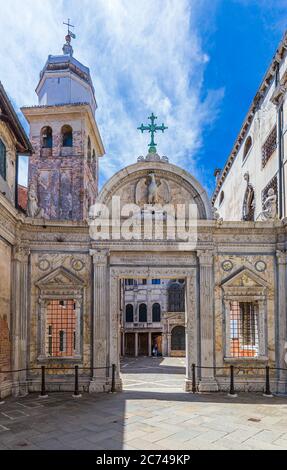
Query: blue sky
[195,63]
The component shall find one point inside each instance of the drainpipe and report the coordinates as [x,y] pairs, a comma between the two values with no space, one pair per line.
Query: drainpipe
[280,163]
[16,180]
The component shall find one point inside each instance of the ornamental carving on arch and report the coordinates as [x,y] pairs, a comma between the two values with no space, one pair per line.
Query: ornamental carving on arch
[167,177]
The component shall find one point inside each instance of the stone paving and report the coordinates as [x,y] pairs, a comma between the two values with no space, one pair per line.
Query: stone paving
[152,413]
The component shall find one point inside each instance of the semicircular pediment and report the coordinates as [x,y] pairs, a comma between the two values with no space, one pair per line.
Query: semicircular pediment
[156,183]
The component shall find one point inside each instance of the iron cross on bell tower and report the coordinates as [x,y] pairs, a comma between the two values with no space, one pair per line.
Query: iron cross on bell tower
[67,48]
[69,30]
[152,129]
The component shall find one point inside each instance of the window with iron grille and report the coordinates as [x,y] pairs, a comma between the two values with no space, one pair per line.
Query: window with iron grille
[272,184]
[176,297]
[61,330]
[244,335]
[269,146]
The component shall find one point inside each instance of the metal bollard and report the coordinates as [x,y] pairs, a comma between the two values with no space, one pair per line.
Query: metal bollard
[76,390]
[231,390]
[193,379]
[113,387]
[267,392]
[43,383]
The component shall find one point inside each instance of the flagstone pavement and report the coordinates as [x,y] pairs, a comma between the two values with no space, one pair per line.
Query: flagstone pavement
[152,413]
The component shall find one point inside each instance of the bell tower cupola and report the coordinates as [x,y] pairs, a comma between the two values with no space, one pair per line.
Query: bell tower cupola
[64,80]
[63,171]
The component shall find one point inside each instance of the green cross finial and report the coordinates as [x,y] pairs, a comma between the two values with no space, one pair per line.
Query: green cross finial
[152,128]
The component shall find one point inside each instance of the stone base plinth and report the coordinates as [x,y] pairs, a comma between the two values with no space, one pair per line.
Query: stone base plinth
[208,384]
[281,387]
[102,385]
[188,385]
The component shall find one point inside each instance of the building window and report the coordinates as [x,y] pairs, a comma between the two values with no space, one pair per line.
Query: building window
[89,156]
[221,197]
[67,136]
[155,281]
[156,313]
[142,313]
[62,331]
[130,282]
[176,297]
[47,137]
[2,160]
[50,340]
[247,147]
[62,341]
[178,338]
[129,313]
[273,184]
[244,337]
[269,146]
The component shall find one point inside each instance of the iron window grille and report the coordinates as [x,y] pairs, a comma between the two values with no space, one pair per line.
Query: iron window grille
[61,328]
[244,334]
[269,146]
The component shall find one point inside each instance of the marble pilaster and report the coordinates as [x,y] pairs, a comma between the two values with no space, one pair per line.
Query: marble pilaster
[100,320]
[206,280]
[282,317]
[20,317]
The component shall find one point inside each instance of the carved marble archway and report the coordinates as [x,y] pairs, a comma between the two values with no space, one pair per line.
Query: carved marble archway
[182,186]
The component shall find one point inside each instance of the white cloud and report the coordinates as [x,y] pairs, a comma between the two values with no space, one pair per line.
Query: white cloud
[144,56]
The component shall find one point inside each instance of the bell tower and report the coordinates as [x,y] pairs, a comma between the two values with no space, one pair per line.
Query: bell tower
[63,169]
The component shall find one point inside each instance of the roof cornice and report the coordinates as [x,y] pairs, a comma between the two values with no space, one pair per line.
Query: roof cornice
[10,117]
[261,92]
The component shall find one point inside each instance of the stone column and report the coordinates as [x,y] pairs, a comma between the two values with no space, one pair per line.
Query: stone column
[207,339]
[281,329]
[19,317]
[100,320]
[149,343]
[136,344]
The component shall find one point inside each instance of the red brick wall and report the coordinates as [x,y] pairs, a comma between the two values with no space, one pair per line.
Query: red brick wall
[5,348]
[22,196]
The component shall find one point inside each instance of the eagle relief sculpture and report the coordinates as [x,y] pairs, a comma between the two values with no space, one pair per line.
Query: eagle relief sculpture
[150,190]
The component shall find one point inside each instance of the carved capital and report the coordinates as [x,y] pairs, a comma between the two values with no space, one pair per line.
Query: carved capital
[21,253]
[205,257]
[281,257]
[100,257]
